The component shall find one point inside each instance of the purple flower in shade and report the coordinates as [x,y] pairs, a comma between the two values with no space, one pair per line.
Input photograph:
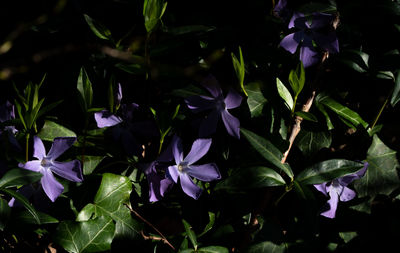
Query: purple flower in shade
[46,165]
[123,126]
[219,108]
[281,11]
[338,190]
[6,114]
[158,186]
[316,31]
[184,168]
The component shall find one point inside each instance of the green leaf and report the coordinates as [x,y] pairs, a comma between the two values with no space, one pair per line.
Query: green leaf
[396,90]
[88,236]
[297,78]
[250,178]
[284,94]
[307,116]
[356,60]
[321,108]
[91,163]
[190,233]
[381,176]
[342,110]
[111,200]
[239,67]
[210,224]
[153,10]
[189,90]
[98,29]
[51,130]
[181,30]
[21,198]
[213,249]
[86,213]
[44,218]
[267,150]
[17,177]
[85,90]
[5,212]
[328,170]
[310,142]
[385,75]
[266,247]
[255,99]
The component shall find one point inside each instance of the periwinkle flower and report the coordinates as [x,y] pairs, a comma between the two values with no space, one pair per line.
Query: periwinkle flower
[158,185]
[6,114]
[281,11]
[338,191]
[317,31]
[219,108]
[184,168]
[47,165]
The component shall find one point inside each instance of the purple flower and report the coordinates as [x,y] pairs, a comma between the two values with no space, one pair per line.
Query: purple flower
[309,33]
[184,168]
[46,165]
[158,186]
[281,11]
[338,190]
[7,113]
[123,125]
[219,108]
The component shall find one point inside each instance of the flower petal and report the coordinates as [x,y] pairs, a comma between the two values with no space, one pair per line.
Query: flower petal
[347,194]
[350,178]
[106,119]
[298,20]
[119,94]
[51,186]
[38,148]
[209,125]
[205,172]
[190,188]
[177,150]
[60,145]
[200,103]
[329,41]
[165,185]
[199,148]
[331,205]
[289,43]
[232,124]
[321,188]
[212,85]
[308,55]
[321,20]
[232,99]
[31,165]
[69,170]
[173,173]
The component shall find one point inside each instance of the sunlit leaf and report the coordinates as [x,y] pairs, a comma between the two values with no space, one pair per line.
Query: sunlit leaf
[190,233]
[396,90]
[51,130]
[17,177]
[90,163]
[255,99]
[98,29]
[310,142]
[284,93]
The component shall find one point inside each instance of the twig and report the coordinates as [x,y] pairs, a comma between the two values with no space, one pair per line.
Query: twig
[162,238]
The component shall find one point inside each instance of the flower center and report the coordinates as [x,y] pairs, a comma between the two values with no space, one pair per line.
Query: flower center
[182,167]
[45,162]
[220,104]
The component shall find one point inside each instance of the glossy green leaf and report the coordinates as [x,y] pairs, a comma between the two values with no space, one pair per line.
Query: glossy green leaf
[44,218]
[395,98]
[310,142]
[342,110]
[17,177]
[153,10]
[98,29]
[255,99]
[85,90]
[250,178]
[267,150]
[238,65]
[86,213]
[190,233]
[385,75]
[321,108]
[5,212]
[88,236]
[266,247]
[213,249]
[189,90]
[297,79]
[328,170]
[381,176]
[90,163]
[356,60]
[307,116]
[209,225]
[21,199]
[51,130]
[284,94]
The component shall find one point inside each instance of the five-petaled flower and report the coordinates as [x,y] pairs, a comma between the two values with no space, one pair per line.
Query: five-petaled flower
[338,190]
[219,106]
[46,165]
[184,167]
[318,31]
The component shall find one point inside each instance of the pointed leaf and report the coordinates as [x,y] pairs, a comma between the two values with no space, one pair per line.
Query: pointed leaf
[17,177]
[266,247]
[90,163]
[307,116]
[98,29]
[381,176]
[51,130]
[21,198]
[328,170]
[297,79]
[5,212]
[87,236]
[85,90]
[267,150]
[284,93]
[310,142]
[26,217]
[190,233]
[213,249]
[210,224]
[255,99]
[396,90]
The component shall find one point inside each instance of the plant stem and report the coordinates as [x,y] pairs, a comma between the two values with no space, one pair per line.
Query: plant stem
[27,136]
[380,111]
